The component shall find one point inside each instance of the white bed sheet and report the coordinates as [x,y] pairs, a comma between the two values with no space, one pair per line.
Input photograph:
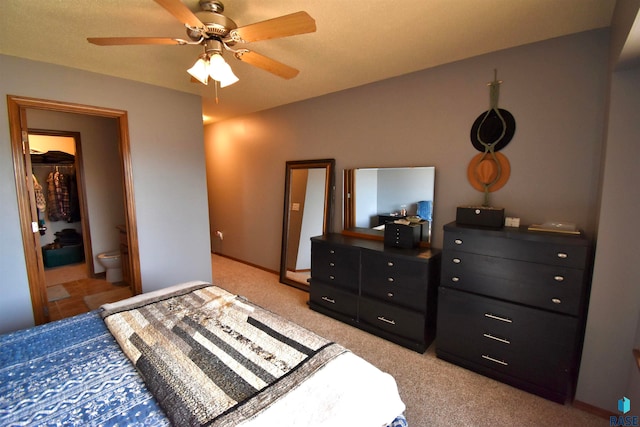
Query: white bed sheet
[347,391]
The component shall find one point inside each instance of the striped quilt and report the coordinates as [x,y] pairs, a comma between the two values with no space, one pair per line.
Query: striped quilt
[213,358]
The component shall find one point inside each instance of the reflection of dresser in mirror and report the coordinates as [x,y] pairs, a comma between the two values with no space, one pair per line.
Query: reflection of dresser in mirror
[375,196]
[384,218]
[124,254]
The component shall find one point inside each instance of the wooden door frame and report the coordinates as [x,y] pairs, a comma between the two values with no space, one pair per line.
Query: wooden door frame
[17,106]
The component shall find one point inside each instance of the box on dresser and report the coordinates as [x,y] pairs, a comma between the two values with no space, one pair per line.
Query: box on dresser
[388,291]
[481,216]
[402,235]
[512,306]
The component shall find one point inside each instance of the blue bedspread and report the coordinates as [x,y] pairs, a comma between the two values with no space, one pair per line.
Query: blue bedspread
[71,372]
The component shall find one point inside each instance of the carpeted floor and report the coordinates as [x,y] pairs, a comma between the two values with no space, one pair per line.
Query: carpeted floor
[436,393]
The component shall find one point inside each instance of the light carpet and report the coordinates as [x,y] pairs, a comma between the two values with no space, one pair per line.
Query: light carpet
[56,293]
[437,393]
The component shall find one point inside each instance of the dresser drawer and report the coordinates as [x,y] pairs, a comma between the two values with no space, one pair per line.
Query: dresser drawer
[397,320]
[555,252]
[333,298]
[379,270]
[393,293]
[335,264]
[550,287]
[533,345]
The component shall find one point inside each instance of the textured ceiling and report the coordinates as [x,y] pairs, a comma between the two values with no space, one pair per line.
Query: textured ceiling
[357,41]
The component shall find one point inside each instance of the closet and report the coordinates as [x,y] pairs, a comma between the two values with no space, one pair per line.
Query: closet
[53,166]
[59,218]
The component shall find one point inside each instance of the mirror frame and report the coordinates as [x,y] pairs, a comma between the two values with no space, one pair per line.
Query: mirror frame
[348,227]
[329,166]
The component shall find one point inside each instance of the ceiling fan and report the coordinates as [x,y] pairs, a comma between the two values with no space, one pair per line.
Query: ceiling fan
[218,33]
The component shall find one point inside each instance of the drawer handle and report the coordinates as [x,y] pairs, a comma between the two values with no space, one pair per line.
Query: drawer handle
[331,251]
[563,255]
[390,294]
[558,278]
[494,317]
[501,362]
[455,279]
[493,337]
[332,264]
[389,279]
[390,263]
[327,299]
[457,242]
[556,300]
[332,277]
[383,319]
[457,260]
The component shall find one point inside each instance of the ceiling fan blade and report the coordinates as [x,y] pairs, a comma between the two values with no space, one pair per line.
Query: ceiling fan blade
[181,12]
[283,26]
[117,41]
[267,64]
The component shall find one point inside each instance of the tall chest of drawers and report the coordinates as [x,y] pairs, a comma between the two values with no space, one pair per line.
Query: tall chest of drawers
[390,292]
[512,306]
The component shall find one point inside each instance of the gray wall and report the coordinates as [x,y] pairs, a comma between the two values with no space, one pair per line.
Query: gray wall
[608,370]
[165,129]
[558,92]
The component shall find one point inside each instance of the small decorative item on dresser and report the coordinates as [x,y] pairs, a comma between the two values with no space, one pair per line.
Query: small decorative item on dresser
[482,216]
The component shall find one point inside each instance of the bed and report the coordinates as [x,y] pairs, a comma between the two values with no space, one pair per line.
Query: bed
[191,354]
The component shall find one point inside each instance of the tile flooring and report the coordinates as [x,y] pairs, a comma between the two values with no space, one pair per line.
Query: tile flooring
[78,288]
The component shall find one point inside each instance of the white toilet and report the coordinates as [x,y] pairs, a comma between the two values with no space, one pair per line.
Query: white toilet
[113,264]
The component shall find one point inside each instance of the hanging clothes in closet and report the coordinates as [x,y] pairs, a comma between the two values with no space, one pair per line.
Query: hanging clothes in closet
[62,195]
[41,204]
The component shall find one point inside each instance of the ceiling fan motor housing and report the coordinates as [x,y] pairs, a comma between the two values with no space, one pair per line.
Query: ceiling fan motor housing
[216,24]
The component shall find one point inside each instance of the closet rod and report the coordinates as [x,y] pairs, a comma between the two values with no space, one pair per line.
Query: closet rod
[51,165]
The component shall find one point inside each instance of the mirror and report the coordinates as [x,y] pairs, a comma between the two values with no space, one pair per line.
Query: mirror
[373,196]
[308,206]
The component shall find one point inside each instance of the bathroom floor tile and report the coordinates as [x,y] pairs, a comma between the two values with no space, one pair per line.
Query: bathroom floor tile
[78,289]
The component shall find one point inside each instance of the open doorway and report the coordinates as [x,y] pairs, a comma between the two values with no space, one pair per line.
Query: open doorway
[73,283]
[19,112]
[65,235]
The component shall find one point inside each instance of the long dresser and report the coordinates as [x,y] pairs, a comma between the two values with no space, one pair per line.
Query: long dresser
[512,305]
[390,292]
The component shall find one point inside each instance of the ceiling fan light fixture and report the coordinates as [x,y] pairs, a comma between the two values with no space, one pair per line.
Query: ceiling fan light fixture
[200,71]
[221,71]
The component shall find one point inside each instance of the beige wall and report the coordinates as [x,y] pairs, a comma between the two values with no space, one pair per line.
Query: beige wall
[555,89]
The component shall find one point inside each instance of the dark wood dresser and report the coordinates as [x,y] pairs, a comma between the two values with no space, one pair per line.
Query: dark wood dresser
[390,292]
[512,306]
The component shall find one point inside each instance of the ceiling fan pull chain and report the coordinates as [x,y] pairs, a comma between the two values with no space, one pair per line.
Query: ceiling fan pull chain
[215,85]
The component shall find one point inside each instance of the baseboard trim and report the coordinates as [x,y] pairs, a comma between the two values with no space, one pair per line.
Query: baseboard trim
[599,412]
[246,263]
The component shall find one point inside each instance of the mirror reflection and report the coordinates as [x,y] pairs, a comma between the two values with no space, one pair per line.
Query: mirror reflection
[374,196]
[307,213]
